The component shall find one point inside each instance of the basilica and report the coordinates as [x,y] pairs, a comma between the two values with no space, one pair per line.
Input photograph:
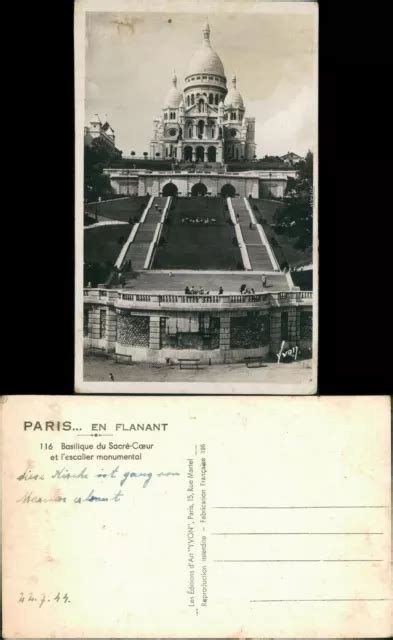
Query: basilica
[206,121]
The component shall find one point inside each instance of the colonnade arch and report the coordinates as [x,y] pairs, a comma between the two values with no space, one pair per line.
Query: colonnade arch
[169,189]
[199,189]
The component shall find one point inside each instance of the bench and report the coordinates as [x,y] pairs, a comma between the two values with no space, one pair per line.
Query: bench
[189,363]
[255,361]
[122,358]
[97,351]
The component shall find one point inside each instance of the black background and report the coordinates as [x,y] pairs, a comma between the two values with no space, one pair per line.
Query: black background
[355,194]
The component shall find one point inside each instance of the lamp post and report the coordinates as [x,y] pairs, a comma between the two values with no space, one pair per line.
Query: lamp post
[270,183]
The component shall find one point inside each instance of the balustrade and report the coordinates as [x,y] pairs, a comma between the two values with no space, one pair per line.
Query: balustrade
[113,296]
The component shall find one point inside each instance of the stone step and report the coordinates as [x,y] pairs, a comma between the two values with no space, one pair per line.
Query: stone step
[250,236]
[137,253]
[259,258]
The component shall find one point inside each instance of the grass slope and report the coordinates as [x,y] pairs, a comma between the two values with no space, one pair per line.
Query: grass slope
[119,209]
[198,246]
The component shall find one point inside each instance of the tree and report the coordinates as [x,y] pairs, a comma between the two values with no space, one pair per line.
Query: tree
[132,153]
[296,216]
[96,183]
[157,155]
[291,186]
[145,154]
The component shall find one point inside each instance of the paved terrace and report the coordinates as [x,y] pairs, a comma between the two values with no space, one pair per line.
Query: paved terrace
[98,369]
[210,281]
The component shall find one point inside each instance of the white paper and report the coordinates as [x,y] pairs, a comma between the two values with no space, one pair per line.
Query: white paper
[244,517]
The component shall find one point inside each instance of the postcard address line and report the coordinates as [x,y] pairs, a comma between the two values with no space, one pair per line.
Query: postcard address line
[305,533]
[352,506]
[319,560]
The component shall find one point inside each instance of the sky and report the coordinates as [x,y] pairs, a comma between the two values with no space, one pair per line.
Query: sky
[131,57]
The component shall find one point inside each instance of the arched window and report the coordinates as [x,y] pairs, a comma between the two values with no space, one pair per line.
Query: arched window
[200,106]
[187,153]
[213,132]
[190,132]
[216,99]
[188,101]
[211,154]
[165,116]
[210,98]
[192,99]
[233,115]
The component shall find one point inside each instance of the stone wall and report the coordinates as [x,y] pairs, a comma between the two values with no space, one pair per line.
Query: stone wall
[125,186]
[154,184]
[190,331]
[95,327]
[214,337]
[133,330]
[258,186]
[305,325]
[269,188]
[249,331]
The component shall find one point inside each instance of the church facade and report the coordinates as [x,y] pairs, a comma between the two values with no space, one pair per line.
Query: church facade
[206,122]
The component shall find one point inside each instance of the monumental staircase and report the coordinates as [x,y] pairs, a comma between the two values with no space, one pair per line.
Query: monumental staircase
[141,238]
[257,251]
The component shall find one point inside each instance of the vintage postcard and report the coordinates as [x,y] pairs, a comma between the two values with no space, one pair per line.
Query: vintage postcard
[196,196]
[160,518]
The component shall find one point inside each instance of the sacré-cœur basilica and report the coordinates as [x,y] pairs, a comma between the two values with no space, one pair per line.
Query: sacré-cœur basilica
[206,122]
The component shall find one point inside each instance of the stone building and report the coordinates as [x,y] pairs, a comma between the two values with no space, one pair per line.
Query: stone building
[210,182]
[205,122]
[291,159]
[154,326]
[99,133]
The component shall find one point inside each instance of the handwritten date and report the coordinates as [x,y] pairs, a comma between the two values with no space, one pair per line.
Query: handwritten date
[43,598]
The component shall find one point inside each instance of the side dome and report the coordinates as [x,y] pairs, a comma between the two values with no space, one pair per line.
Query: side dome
[173,97]
[206,60]
[233,98]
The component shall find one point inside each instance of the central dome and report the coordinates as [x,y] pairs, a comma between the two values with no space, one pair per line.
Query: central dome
[205,60]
